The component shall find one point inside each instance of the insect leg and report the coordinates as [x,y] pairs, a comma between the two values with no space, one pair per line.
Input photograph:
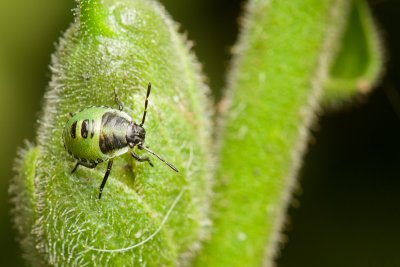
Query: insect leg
[141,159]
[119,103]
[103,183]
[86,164]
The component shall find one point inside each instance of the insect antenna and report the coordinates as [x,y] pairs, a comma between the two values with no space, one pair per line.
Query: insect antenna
[146,103]
[159,157]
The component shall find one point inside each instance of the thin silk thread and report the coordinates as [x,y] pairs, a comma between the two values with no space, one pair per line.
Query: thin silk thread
[150,236]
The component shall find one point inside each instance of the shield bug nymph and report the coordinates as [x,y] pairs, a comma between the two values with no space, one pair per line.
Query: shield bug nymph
[97,134]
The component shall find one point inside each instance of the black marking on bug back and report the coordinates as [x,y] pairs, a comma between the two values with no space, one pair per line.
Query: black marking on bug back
[113,132]
[73,129]
[92,131]
[85,128]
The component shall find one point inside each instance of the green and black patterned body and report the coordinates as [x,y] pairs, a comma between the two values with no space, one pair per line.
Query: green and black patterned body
[98,134]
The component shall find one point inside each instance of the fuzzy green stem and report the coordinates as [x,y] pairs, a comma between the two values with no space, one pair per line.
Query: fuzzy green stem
[280,68]
[93,18]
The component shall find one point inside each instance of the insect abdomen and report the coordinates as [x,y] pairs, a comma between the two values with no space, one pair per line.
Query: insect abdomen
[86,130]
[96,134]
[82,133]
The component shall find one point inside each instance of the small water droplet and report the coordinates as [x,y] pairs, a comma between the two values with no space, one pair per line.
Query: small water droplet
[241,236]
[138,234]
[128,16]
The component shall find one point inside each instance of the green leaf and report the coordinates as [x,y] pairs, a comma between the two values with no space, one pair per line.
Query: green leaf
[149,216]
[23,193]
[281,66]
[358,63]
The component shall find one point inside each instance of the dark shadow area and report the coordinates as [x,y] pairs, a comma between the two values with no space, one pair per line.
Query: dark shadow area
[213,25]
[349,212]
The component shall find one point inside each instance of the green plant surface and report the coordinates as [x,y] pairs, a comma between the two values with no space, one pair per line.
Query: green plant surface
[358,64]
[147,216]
[277,80]
[292,58]
[23,191]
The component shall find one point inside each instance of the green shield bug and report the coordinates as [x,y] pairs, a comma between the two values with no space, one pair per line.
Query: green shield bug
[99,133]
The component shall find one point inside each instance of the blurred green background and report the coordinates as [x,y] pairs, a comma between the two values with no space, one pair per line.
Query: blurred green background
[349,212]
